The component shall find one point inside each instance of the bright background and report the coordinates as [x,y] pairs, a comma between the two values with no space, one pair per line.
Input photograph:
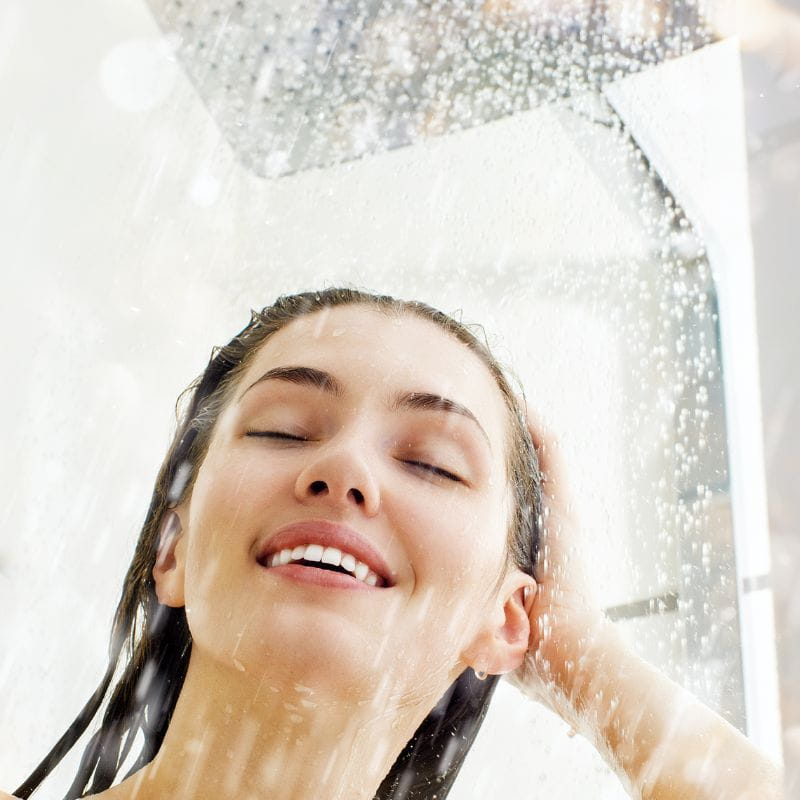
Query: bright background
[133,240]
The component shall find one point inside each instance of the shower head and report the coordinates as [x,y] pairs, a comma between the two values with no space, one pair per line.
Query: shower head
[296,84]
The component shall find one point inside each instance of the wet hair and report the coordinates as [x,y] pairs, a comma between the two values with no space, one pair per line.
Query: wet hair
[151,643]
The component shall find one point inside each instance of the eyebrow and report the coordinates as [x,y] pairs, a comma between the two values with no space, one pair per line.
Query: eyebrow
[435,402]
[319,379]
[304,376]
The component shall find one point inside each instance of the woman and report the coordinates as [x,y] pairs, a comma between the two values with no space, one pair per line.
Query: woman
[339,550]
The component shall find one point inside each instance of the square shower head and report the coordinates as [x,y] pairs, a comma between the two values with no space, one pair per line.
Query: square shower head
[296,84]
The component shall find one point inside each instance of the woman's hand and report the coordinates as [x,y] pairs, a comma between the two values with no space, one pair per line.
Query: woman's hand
[565,620]
[664,744]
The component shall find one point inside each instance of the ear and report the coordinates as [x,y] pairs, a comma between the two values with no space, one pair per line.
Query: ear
[501,643]
[169,569]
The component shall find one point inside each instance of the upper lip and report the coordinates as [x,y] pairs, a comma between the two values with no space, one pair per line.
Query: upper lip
[328,534]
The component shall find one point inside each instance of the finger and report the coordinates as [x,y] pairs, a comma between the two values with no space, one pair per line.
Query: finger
[548,451]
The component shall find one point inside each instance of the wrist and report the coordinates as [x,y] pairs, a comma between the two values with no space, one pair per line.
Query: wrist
[573,664]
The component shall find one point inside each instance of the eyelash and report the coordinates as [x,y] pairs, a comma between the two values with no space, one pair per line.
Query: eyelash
[422,465]
[289,437]
[438,471]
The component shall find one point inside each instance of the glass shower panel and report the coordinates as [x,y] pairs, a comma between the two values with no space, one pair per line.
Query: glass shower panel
[668,567]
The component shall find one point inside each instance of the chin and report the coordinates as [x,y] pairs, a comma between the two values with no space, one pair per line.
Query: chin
[337,661]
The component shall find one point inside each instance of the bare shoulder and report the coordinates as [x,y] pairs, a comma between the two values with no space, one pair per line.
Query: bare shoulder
[4,796]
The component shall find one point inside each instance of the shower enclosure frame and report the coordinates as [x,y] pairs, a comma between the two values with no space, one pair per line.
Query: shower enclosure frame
[687,116]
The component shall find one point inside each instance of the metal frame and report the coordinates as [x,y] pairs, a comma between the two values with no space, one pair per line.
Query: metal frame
[687,116]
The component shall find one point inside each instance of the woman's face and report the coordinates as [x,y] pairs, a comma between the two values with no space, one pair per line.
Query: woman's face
[381,437]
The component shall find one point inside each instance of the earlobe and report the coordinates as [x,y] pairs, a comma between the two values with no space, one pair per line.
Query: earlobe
[501,645]
[168,571]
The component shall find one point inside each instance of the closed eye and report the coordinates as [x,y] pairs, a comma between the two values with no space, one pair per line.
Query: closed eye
[282,435]
[443,473]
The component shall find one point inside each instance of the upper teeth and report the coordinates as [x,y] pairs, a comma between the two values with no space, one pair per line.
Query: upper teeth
[325,555]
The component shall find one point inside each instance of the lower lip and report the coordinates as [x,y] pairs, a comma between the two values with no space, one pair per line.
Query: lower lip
[319,577]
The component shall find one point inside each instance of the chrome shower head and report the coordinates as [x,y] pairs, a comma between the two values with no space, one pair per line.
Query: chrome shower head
[296,84]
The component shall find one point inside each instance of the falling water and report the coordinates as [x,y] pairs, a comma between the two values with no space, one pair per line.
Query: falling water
[472,155]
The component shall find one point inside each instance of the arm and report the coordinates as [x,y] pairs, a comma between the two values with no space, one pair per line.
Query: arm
[667,744]
[664,743]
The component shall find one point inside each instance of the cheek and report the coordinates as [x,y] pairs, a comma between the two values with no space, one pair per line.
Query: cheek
[457,545]
[236,489]
[458,552]
[231,504]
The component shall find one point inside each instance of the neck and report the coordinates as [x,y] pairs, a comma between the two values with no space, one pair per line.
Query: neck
[233,737]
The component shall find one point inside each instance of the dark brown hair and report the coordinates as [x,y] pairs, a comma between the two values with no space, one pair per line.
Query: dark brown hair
[151,643]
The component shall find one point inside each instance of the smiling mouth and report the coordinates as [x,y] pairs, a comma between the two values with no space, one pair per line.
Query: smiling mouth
[324,559]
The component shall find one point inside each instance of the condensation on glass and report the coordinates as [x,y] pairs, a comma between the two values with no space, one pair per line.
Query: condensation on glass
[299,85]
[295,84]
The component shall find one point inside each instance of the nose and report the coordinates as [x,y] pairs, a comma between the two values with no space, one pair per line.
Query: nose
[339,475]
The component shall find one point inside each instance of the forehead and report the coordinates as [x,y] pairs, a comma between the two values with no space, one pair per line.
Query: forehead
[371,352]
